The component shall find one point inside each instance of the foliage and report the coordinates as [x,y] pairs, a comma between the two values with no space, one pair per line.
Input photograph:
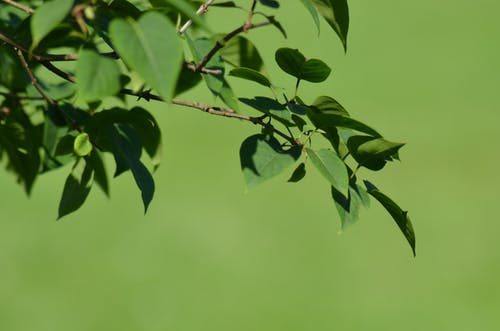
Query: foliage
[156,50]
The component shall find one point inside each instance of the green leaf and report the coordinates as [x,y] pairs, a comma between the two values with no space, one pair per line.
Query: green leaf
[298,173]
[241,52]
[76,189]
[290,61]
[331,167]
[250,74]
[263,158]
[328,105]
[227,95]
[270,3]
[183,7]
[47,17]
[336,13]
[151,47]
[312,10]
[400,217]
[270,106]
[97,77]
[372,152]
[348,207]
[315,71]
[82,145]
[294,63]
[149,132]
[95,162]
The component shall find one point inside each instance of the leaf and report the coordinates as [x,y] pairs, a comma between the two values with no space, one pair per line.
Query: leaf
[97,77]
[276,24]
[290,61]
[250,74]
[298,173]
[400,217]
[270,3]
[326,104]
[151,47]
[47,17]
[348,207]
[372,152]
[95,162]
[76,189]
[241,52]
[331,167]
[271,107]
[185,8]
[296,108]
[312,10]
[315,71]
[82,145]
[294,63]
[149,132]
[336,13]
[227,95]
[263,158]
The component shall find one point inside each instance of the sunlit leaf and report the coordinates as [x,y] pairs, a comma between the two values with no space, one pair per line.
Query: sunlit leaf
[47,17]
[331,167]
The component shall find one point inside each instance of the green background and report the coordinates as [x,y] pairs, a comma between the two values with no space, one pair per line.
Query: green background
[211,256]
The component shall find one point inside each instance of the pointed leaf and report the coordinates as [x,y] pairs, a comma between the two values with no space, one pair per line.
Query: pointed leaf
[241,52]
[151,47]
[312,10]
[336,13]
[298,173]
[250,74]
[290,61]
[372,152]
[263,158]
[331,167]
[47,17]
[400,217]
[76,189]
[97,77]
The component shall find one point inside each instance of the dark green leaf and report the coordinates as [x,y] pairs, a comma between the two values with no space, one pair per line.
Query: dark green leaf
[290,61]
[372,152]
[47,17]
[331,167]
[328,105]
[296,108]
[95,162]
[298,173]
[336,13]
[400,216]
[97,77]
[151,47]
[270,3]
[294,63]
[315,71]
[76,189]
[187,80]
[250,74]
[263,158]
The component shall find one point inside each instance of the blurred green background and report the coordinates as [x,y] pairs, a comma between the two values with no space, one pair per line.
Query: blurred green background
[210,256]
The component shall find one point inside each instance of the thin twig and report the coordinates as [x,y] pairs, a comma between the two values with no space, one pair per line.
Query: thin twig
[203,9]
[58,71]
[229,36]
[33,80]
[192,66]
[250,16]
[24,8]
[224,112]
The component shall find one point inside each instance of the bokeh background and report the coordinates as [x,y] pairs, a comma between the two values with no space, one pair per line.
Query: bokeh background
[211,256]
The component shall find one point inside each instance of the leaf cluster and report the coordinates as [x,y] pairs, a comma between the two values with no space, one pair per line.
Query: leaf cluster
[67,66]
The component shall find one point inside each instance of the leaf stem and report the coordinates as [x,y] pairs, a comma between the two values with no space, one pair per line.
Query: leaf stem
[24,8]
[229,36]
[203,9]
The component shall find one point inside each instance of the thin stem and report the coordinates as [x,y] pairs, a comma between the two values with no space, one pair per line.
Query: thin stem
[203,9]
[24,8]
[229,36]
[225,112]
[33,80]
[250,16]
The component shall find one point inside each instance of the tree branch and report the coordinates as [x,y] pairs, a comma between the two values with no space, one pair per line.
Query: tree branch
[203,9]
[24,8]
[250,16]
[224,112]
[229,36]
